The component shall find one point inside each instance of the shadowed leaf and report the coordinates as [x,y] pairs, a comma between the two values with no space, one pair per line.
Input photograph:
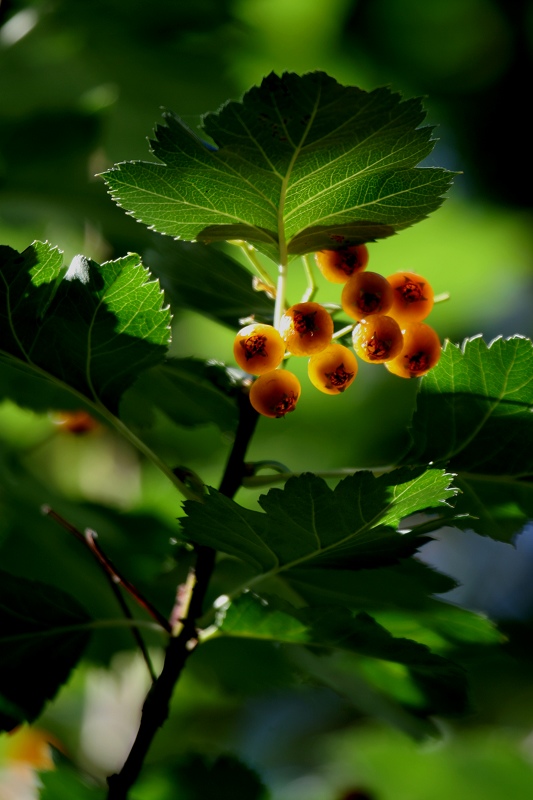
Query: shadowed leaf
[43,632]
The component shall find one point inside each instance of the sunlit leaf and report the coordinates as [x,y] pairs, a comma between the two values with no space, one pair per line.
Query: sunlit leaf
[90,328]
[301,163]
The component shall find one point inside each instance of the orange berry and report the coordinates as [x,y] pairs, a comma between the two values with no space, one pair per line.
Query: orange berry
[412,297]
[332,370]
[421,351]
[377,339]
[258,348]
[77,422]
[275,393]
[366,293]
[31,746]
[338,266]
[307,328]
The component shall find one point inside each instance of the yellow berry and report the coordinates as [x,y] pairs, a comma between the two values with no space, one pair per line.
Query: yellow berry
[275,393]
[332,370]
[258,348]
[377,339]
[338,266]
[307,328]
[412,297]
[421,351]
[366,293]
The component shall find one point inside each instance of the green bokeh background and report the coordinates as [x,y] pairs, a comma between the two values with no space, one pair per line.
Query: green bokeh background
[82,85]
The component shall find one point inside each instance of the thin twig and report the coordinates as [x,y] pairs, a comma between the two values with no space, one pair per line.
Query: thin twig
[89,539]
[113,579]
[157,704]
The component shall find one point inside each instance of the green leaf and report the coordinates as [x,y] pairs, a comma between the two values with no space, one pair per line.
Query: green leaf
[339,628]
[91,329]
[407,585]
[43,632]
[378,689]
[474,409]
[309,524]
[64,783]
[474,413]
[440,625]
[189,391]
[493,506]
[209,281]
[401,598]
[301,163]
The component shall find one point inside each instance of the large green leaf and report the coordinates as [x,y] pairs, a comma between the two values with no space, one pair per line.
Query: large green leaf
[338,628]
[301,163]
[474,413]
[309,524]
[408,584]
[474,409]
[43,632]
[90,328]
[401,597]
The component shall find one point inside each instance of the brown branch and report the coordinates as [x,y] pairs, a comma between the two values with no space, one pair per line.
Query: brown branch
[157,704]
[113,579]
[88,538]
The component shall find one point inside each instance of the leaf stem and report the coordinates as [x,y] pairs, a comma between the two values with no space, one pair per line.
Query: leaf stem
[88,538]
[441,298]
[250,253]
[311,283]
[281,291]
[114,580]
[143,448]
[344,331]
[255,481]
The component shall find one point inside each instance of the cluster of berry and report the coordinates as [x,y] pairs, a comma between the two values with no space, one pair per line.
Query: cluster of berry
[388,329]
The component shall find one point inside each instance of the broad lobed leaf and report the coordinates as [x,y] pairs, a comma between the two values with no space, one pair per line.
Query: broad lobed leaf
[475,414]
[338,628]
[92,328]
[308,524]
[300,164]
[474,409]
